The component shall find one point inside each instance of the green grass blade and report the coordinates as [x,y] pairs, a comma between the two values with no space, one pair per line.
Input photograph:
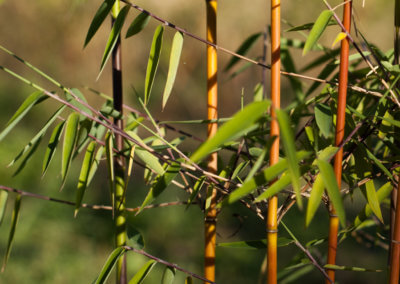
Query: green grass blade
[234,128]
[109,265]
[152,63]
[113,37]
[243,49]
[315,198]
[332,188]
[98,19]
[3,204]
[143,272]
[14,221]
[175,56]
[318,28]
[52,146]
[276,187]
[290,151]
[168,275]
[84,175]
[28,103]
[70,135]
[138,24]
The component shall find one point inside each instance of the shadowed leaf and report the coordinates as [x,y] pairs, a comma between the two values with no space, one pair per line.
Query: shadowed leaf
[276,187]
[256,244]
[52,145]
[109,265]
[138,24]
[323,117]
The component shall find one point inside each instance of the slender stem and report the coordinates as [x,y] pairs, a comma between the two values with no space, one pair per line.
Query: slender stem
[212,100]
[395,244]
[119,162]
[340,126]
[272,222]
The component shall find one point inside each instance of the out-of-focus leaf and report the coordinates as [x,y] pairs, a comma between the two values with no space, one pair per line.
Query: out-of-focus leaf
[196,188]
[341,36]
[98,19]
[70,97]
[323,117]
[189,280]
[161,184]
[152,63]
[51,147]
[328,176]
[315,198]
[95,164]
[175,56]
[351,268]
[256,244]
[84,175]
[243,49]
[143,272]
[110,166]
[113,37]
[290,151]
[318,28]
[258,93]
[138,24]
[14,221]
[234,128]
[168,275]
[308,26]
[32,150]
[373,200]
[276,187]
[21,112]
[109,265]
[3,204]
[135,238]
[70,135]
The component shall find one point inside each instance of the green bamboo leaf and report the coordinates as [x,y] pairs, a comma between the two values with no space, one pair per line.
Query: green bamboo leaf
[234,128]
[98,19]
[189,280]
[135,238]
[255,244]
[110,164]
[351,268]
[382,193]
[152,64]
[323,117]
[70,97]
[175,56]
[84,175]
[308,26]
[109,265]
[149,159]
[138,24]
[70,135]
[113,37]
[373,200]
[318,28]
[196,188]
[52,146]
[3,204]
[315,198]
[243,49]
[32,150]
[25,107]
[143,272]
[276,187]
[290,151]
[379,164]
[38,136]
[161,184]
[95,164]
[168,275]
[332,188]
[14,221]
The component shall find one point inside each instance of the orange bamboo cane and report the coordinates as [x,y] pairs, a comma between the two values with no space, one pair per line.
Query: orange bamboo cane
[395,245]
[340,124]
[212,97]
[272,223]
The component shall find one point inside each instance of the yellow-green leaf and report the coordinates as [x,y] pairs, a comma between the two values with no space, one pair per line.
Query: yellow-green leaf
[315,198]
[138,24]
[175,56]
[52,145]
[70,136]
[318,28]
[168,275]
[341,36]
[276,187]
[143,272]
[109,265]
[323,117]
[3,204]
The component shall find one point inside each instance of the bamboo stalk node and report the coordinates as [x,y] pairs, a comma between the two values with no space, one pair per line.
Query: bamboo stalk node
[272,230]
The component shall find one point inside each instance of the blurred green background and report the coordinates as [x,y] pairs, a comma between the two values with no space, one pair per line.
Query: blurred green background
[50,245]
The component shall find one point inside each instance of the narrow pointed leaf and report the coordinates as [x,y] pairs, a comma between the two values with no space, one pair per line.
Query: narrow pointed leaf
[323,117]
[52,145]
[32,150]
[255,244]
[110,164]
[152,63]
[3,204]
[234,128]
[175,56]
[138,24]
[21,112]
[318,28]
[143,272]
[84,175]
[290,151]
[161,184]
[70,97]
[196,188]
[341,36]
[70,135]
[113,37]
[98,19]
[276,187]
[95,164]
[109,265]
[373,199]
[332,188]
[243,49]
[315,198]
[351,268]
[168,275]
[14,221]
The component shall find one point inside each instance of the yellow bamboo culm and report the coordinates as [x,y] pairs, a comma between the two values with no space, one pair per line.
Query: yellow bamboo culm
[272,224]
[212,98]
